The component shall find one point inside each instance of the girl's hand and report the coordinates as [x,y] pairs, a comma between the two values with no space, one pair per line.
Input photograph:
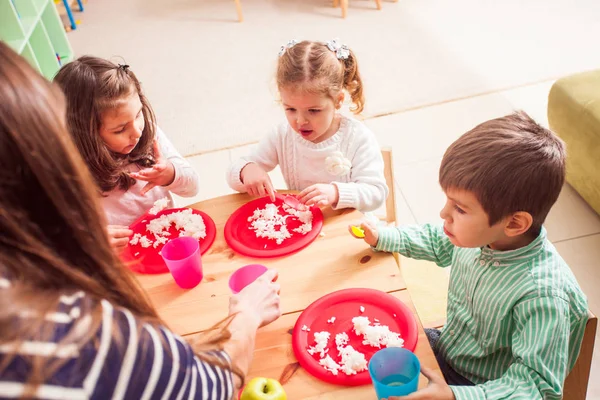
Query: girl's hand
[259,301]
[320,195]
[370,229]
[256,181]
[437,389]
[161,174]
[118,236]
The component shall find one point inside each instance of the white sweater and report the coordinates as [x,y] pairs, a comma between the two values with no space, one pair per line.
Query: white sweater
[303,163]
[124,207]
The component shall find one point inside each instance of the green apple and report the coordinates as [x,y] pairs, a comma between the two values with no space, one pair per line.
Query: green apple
[263,389]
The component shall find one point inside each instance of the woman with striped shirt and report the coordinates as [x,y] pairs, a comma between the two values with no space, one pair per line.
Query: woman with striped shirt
[74,324]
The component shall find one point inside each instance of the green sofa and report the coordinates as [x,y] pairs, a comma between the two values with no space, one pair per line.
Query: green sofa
[574,114]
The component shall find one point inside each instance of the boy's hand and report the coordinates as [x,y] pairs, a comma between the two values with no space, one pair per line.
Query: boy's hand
[437,389]
[319,195]
[256,181]
[371,234]
[161,174]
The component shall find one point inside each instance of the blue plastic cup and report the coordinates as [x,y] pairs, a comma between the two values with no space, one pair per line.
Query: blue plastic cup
[394,372]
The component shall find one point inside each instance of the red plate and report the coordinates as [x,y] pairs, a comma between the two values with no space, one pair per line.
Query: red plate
[147,260]
[345,305]
[243,240]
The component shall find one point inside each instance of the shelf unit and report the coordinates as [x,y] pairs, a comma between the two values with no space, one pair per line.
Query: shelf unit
[34,29]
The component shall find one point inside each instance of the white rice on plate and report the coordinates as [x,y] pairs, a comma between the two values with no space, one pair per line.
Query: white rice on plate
[269,223]
[159,205]
[145,242]
[330,365]
[185,221]
[376,335]
[321,339]
[352,361]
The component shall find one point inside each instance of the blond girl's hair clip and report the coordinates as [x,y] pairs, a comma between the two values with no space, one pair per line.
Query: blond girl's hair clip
[287,46]
[341,51]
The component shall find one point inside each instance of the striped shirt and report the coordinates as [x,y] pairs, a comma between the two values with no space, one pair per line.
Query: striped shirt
[125,359]
[515,319]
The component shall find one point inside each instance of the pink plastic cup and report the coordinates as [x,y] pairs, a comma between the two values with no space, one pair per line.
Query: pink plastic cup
[182,256]
[245,276]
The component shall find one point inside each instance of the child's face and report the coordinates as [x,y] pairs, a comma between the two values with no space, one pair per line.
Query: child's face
[466,223]
[311,115]
[122,126]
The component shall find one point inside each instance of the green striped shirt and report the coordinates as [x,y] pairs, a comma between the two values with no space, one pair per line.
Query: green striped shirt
[515,319]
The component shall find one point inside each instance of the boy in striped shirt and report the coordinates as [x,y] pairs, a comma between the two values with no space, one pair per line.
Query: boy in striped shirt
[516,314]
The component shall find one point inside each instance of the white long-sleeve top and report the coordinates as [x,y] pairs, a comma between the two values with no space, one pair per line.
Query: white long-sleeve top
[123,207]
[303,163]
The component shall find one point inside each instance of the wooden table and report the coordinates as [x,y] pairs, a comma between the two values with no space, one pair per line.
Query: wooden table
[332,262]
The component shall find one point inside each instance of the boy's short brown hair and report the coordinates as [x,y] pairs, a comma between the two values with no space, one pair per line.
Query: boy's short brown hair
[510,164]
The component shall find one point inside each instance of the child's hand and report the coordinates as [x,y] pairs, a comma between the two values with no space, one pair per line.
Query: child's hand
[370,229]
[118,236]
[161,174]
[319,195]
[256,181]
[437,389]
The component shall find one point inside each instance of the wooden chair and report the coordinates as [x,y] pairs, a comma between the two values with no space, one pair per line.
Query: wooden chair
[390,216]
[344,4]
[577,381]
[388,172]
[238,6]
